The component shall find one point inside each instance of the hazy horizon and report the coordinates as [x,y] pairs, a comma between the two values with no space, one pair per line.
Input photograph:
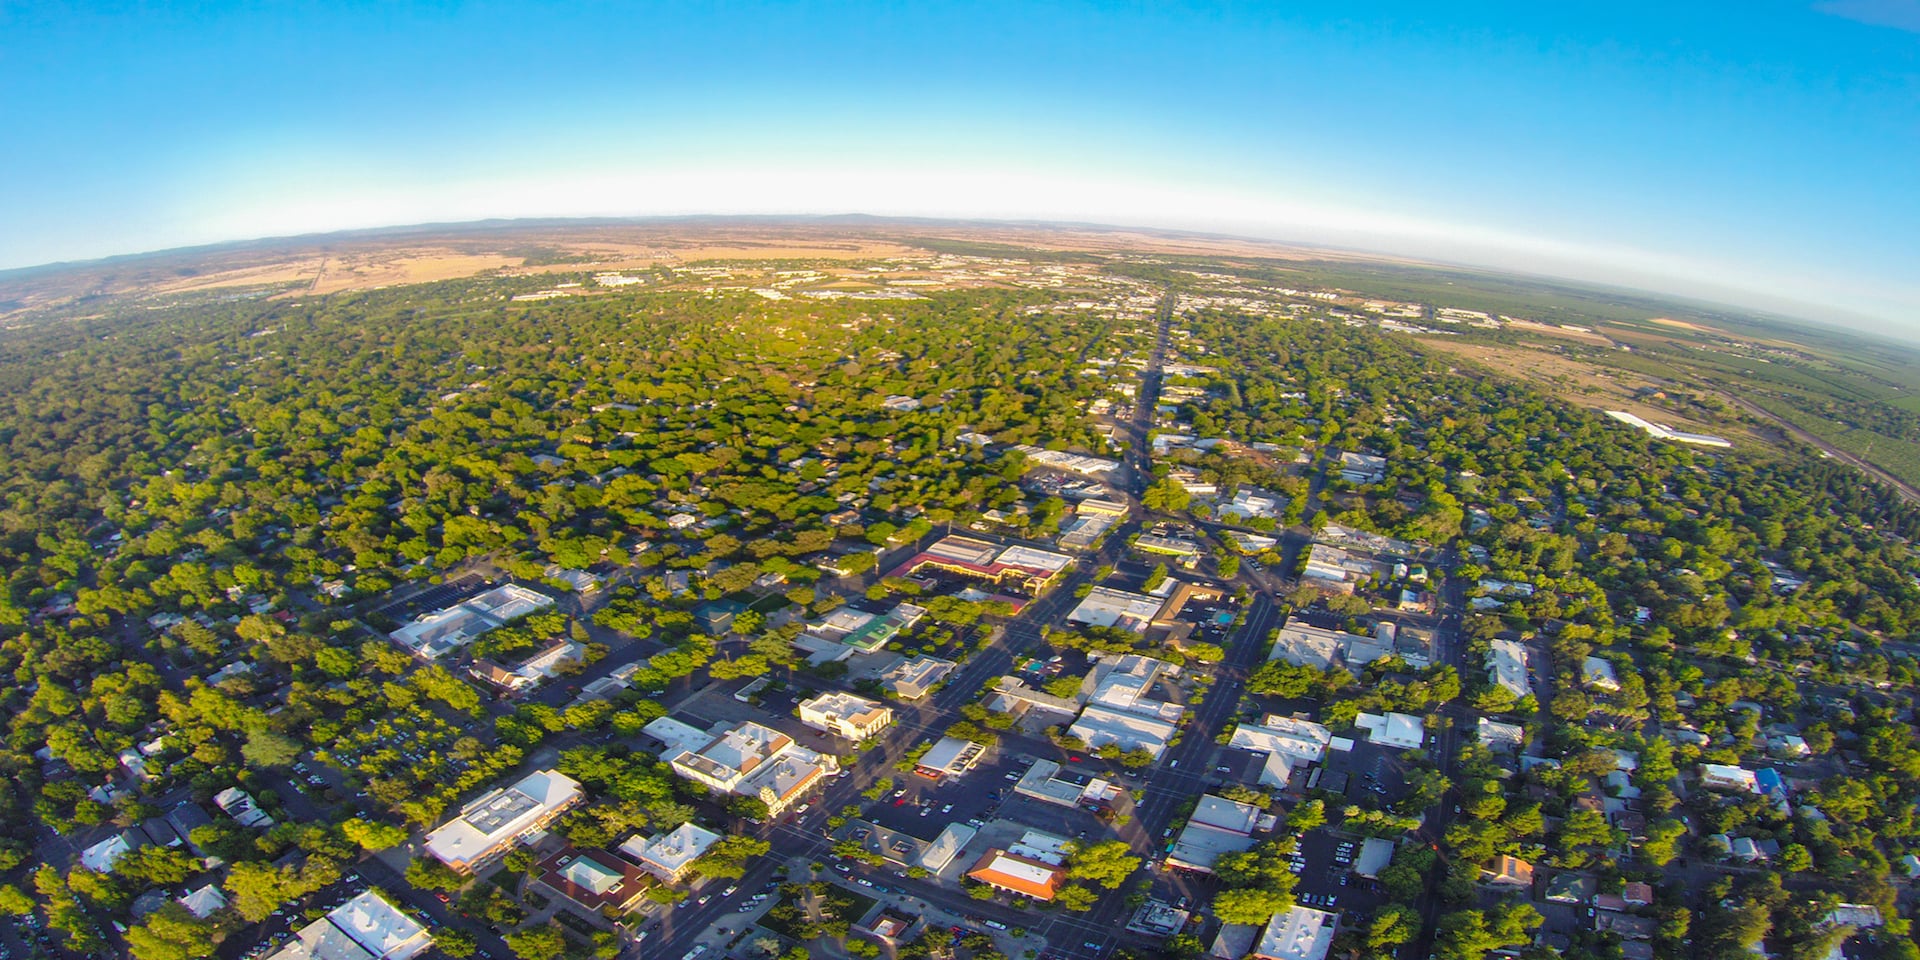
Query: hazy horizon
[1760,160]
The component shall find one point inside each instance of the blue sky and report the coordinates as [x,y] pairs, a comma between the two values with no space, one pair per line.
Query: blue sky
[1758,152]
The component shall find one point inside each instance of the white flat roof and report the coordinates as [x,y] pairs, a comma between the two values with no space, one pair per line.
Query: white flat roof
[1301,933]
[501,814]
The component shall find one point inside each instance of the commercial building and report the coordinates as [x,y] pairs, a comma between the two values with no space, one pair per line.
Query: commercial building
[1299,933]
[434,635]
[1362,468]
[594,879]
[1099,726]
[670,855]
[950,757]
[1303,644]
[1048,782]
[1401,731]
[1332,568]
[1011,695]
[915,678]
[1107,607]
[845,715]
[746,760]
[1006,871]
[492,823]
[366,927]
[1185,552]
[1023,568]
[1217,826]
[1720,776]
[1507,666]
[1286,742]
[1375,855]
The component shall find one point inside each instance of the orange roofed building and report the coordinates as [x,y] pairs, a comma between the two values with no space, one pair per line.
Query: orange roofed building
[1015,874]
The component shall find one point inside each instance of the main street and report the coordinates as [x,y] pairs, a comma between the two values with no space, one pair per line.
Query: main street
[915,722]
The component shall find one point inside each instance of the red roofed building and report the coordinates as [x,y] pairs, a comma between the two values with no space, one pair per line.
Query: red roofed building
[1014,874]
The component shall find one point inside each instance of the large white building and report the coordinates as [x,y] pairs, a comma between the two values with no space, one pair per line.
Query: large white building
[1107,607]
[1217,826]
[1299,933]
[490,824]
[1303,644]
[1286,743]
[1507,666]
[364,928]
[845,715]
[746,760]
[436,634]
[670,855]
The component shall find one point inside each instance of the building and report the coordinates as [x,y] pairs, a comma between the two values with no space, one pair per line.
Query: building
[239,805]
[915,678]
[1107,607]
[670,855]
[1185,552]
[845,715]
[434,635]
[1248,503]
[101,856]
[1332,568]
[1401,731]
[1303,644]
[1509,872]
[746,760]
[1011,695]
[1507,666]
[1660,431]
[1720,776]
[716,616]
[594,879]
[1006,871]
[204,902]
[1100,725]
[1598,674]
[1285,741]
[1375,855]
[1499,735]
[490,824]
[1217,826]
[1048,782]
[950,757]
[366,927]
[1023,568]
[1362,468]
[1299,933]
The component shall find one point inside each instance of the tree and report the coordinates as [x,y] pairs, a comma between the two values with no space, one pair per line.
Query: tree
[1075,897]
[171,933]
[1108,863]
[1662,843]
[1166,496]
[1308,815]
[1249,905]
[538,943]
[14,902]
[266,749]
[457,944]
[373,836]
